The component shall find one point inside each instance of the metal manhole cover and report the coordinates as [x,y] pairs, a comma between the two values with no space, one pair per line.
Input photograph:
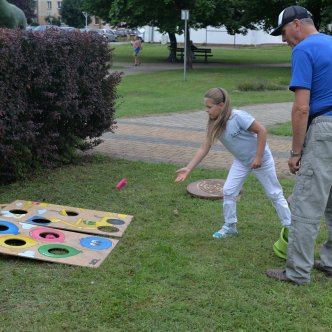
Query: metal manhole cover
[208,188]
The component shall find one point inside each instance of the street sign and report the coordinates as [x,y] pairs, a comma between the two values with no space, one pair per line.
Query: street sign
[184,14]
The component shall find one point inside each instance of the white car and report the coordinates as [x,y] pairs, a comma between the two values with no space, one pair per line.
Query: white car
[109,34]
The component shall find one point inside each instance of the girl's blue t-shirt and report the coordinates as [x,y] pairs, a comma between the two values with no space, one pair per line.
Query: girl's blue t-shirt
[312,70]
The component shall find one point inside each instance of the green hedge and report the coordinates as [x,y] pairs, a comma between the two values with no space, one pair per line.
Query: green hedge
[56,95]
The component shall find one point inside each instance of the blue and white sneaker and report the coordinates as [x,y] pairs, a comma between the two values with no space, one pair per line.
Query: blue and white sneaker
[225,231]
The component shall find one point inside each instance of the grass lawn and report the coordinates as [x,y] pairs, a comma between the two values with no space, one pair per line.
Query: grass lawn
[221,54]
[166,92]
[167,272]
[281,129]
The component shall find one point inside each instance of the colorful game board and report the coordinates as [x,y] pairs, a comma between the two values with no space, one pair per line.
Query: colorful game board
[67,218]
[42,243]
[58,233]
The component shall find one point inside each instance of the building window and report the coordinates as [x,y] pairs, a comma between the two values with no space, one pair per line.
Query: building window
[59,4]
[49,4]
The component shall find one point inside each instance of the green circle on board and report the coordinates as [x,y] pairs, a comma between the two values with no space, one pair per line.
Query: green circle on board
[58,251]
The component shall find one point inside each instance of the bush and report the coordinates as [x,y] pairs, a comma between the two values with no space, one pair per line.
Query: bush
[260,86]
[56,95]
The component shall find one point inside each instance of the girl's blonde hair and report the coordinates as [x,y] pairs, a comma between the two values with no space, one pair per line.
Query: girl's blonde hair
[215,127]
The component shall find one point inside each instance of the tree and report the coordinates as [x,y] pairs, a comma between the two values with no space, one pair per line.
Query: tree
[166,14]
[27,6]
[100,8]
[53,20]
[71,13]
[265,12]
[237,16]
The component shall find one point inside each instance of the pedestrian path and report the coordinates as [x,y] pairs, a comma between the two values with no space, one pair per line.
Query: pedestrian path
[174,138]
[130,69]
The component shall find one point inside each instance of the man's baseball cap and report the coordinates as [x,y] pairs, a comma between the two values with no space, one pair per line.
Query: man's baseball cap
[288,15]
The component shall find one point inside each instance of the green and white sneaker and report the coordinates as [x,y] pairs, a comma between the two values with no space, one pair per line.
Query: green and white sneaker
[225,231]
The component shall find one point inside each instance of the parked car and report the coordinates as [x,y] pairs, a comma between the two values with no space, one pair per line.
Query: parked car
[41,28]
[30,27]
[122,32]
[89,30]
[68,29]
[105,33]
[108,34]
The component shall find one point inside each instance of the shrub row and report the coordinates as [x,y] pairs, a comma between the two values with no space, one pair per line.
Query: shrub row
[56,95]
[254,85]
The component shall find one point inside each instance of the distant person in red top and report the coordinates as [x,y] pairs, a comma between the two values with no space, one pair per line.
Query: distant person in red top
[137,46]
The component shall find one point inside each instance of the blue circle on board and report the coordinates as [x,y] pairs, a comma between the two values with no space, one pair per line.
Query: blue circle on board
[96,243]
[8,228]
[37,220]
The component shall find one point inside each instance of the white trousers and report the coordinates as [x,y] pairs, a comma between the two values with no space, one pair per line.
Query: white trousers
[267,176]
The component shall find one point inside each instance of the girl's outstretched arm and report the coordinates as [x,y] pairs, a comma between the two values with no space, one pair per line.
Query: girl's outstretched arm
[260,130]
[182,173]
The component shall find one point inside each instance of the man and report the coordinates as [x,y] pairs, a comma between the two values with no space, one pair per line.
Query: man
[311,154]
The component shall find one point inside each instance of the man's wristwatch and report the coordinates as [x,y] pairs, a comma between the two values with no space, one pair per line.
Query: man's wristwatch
[294,154]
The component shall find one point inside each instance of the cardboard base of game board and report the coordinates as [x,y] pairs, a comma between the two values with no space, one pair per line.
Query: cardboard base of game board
[53,245]
[58,233]
[208,188]
[67,217]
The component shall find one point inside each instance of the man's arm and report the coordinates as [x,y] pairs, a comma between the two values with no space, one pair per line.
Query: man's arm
[300,114]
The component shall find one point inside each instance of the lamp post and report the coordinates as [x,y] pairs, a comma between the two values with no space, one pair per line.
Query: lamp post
[185,17]
[86,19]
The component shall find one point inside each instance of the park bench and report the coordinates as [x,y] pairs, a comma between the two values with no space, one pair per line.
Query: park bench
[197,52]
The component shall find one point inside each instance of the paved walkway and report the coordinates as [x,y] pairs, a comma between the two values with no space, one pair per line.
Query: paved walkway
[130,69]
[174,138]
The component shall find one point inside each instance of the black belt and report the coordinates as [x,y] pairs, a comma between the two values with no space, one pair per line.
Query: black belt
[312,116]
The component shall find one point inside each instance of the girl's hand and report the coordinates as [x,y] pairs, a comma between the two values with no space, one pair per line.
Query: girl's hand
[182,174]
[256,163]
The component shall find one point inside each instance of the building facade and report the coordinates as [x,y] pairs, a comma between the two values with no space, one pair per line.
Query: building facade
[212,35]
[46,10]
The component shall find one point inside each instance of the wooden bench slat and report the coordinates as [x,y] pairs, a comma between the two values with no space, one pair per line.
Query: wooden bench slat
[205,52]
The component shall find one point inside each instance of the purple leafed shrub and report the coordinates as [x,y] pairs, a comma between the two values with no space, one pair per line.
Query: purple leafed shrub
[56,95]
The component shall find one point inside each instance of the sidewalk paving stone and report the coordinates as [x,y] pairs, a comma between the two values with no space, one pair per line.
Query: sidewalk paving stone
[174,138]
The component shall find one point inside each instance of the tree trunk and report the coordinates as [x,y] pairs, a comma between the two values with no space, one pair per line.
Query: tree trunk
[189,52]
[172,47]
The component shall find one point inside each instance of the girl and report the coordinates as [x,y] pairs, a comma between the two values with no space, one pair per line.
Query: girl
[245,138]
[137,46]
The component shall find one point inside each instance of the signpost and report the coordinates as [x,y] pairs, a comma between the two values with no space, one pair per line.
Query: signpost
[86,15]
[185,17]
